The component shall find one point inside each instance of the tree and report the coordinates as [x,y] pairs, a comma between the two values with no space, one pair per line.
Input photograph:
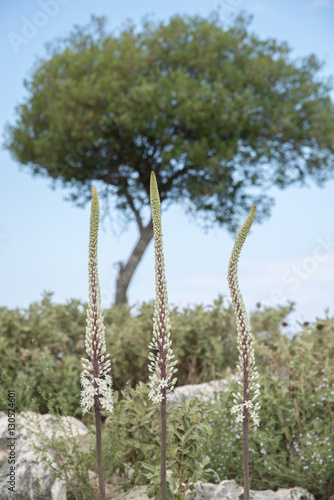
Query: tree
[219,115]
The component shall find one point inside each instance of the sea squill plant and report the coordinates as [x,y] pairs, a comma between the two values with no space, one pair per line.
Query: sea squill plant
[245,406]
[161,363]
[95,379]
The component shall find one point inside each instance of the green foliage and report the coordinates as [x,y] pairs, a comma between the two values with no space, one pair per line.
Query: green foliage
[127,338]
[203,342]
[40,349]
[203,105]
[132,433]
[187,436]
[131,442]
[39,354]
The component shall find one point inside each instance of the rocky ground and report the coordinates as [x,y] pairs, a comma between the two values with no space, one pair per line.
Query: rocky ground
[134,494]
[226,490]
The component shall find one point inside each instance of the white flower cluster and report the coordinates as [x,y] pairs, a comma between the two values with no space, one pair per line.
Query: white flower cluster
[162,364]
[249,388]
[96,381]
[94,378]
[96,386]
[156,394]
[248,405]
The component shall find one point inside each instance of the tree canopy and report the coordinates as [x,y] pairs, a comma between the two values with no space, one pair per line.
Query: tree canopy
[219,115]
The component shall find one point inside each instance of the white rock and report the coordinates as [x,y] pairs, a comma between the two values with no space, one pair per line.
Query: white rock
[230,490]
[32,479]
[204,392]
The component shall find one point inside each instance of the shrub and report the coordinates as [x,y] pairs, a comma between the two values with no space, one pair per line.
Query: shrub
[132,442]
[42,344]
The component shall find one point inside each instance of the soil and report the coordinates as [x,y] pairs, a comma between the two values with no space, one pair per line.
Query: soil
[115,490]
[137,493]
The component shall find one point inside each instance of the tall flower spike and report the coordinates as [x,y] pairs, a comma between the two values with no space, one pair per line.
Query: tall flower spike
[244,405]
[94,378]
[162,363]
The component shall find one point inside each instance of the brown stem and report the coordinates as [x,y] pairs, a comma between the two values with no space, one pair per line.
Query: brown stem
[246,461]
[163,482]
[102,490]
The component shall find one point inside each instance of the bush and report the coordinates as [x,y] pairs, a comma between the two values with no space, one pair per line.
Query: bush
[42,346]
[131,442]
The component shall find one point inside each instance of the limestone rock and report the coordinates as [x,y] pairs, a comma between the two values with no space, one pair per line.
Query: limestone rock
[203,392]
[32,480]
[230,490]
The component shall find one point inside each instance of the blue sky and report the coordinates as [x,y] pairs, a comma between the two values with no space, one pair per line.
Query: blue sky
[44,239]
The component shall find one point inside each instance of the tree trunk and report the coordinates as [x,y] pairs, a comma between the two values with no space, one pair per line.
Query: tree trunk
[125,273]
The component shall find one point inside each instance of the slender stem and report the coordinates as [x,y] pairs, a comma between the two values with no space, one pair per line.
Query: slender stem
[246,461]
[163,483]
[99,449]
[245,412]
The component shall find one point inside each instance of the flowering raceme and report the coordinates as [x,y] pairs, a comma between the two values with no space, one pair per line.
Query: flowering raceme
[96,383]
[244,402]
[162,363]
